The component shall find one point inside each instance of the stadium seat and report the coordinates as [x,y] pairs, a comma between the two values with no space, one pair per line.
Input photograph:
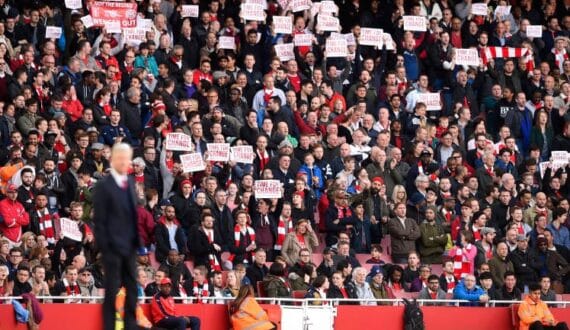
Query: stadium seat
[274,314]
[407,295]
[317,258]
[386,245]
[515,316]
[261,290]
[298,294]
[436,269]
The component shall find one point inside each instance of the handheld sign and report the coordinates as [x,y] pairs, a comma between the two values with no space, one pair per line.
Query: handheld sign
[134,36]
[534,31]
[192,163]
[388,41]
[70,229]
[73,4]
[226,42]
[252,12]
[479,9]
[466,56]
[190,11]
[145,24]
[415,23]
[283,24]
[87,21]
[218,152]
[300,5]
[502,11]
[284,52]
[328,23]
[350,40]
[178,142]
[328,7]
[104,12]
[371,37]
[242,154]
[431,100]
[53,32]
[303,39]
[267,189]
[336,47]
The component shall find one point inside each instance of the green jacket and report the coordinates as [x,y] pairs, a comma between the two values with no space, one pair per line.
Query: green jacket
[432,242]
[275,287]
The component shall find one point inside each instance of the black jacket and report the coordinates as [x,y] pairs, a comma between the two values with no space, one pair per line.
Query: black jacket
[163,241]
[526,265]
[201,248]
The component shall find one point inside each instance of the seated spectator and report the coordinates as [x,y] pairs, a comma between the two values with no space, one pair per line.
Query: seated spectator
[344,254]
[509,291]
[68,286]
[176,269]
[163,310]
[153,288]
[5,284]
[377,285]
[395,283]
[534,313]
[87,285]
[300,280]
[201,287]
[346,270]
[318,290]
[21,284]
[546,294]
[468,290]
[257,271]
[486,281]
[327,265]
[359,285]
[421,281]
[217,287]
[232,285]
[376,255]
[432,291]
[303,238]
[275,284]
[245,312]
[338,290]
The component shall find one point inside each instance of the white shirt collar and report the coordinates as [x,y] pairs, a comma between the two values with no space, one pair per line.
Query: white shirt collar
[120,179]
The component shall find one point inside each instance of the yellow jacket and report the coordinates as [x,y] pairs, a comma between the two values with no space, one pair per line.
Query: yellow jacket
[530,312]
[142,321]
[251,316]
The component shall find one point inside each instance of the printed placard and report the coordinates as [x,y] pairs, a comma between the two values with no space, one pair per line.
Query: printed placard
[192,162]
[104,12]
[350,40]
[431,100]
[502,11]
[87,21]
[300,5]
[53,32]
[336,47]
[303,39]
[315,8]
[242,154]
[542,166]
[479,9]
[328,23]
[388,41]
[328,8]
[371,37]
[145,24]
[134,36]
[283,24]
[559,157]
[252,12]
[190,11]
[73,4]
[218,152]
[283,3]
[178,142]
[113,27]
[285,52]
[466,56]
[70,229]
[226,42]
[267,189]
[414,23]
[534,31]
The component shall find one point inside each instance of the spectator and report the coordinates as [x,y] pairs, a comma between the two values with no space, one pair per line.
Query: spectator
[499,264]
[546,294]
[275,284]
[486,281]
[361,287]
[169,234]
[303,238]
[433,238]
[14,215]
[534,313]
[404,231]
[509,290]
[525,263]
[432,291]
[164,313]
[467,290]
[257,271]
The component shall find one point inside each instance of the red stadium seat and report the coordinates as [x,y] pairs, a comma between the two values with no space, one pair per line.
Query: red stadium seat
[261,290]
[515,316]
[436,269]
[298,294]
[274,314]
[386,245]
[317,258]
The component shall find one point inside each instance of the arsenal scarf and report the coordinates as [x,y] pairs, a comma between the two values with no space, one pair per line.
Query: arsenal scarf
[282,231]
[200,293]
[71,289]
[461,266]
[237,239]
[214,263]
[46,225]
[488,53]
[560,57]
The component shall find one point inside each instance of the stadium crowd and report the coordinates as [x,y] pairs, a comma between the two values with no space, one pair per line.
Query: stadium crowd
[367,167]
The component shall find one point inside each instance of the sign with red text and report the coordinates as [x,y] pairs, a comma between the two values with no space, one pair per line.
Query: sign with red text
[190,11]
[303,39]
[415,23]
[73,4]
[134,36]
[285,52]
[388,41]
[218,152]
[283,24]
[252,12]
[242,154]
[267,189]
[70,229]
[283,3]
[328,8]
[466,56]
[328,23]
[371,37]
[350,40]
[145,24]
[431,100]
[87,21]
[502,11]
[534,31]
[178,142]
[336,47]
[192,162]
[104,12]
[226,42]
[479,9]
[53,32]
[300,5]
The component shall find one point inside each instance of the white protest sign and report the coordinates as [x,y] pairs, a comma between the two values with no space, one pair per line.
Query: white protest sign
[192,162]
[328,8]
[226,42]
[53,32]
[283,24]
[283,3]
[178,142]
[479,9]
[336,47]
[267,189]
[87,21]
[559,157]
[218,152]
[70,229]
[466,56]
[113,27]
[328,23]
[145,24]
[134,36]
[259,2]
[542,167]
[303,39]
[252,12]
[350,40]
[315,8]
[73,4]
[502,11]
[534,31]
[242,154]
[190,11]
[388,41]
[285,52]
[415,23]
[300,5]
[371,37]
[431,100]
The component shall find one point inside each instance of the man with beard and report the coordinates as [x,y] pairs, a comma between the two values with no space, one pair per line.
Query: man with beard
[205,244]
[539,208]
[169,234]
[26,193]
[42,221]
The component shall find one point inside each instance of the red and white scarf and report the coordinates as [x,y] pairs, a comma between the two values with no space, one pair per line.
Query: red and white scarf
[46,225]
[71,289]
[488,53]
[344,212]
[214,262]
[200,293]
[282,231]
[237,239]
[559,57]
[461,266]
[450,283]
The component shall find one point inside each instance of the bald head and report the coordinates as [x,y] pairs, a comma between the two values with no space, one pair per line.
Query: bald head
[121,155]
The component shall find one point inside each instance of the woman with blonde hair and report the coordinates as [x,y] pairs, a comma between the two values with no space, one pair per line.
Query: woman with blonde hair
[245,312]
[28,243]
[5,285]
[303,237]
[399,195]
[232,285]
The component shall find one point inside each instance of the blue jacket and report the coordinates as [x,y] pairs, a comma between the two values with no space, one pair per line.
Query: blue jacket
[314,172]
[561,236]
[462,293]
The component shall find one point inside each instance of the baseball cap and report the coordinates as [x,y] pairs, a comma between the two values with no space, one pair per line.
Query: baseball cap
[143,251]
[488,230]
[285,143]
[12,187]
[166,281]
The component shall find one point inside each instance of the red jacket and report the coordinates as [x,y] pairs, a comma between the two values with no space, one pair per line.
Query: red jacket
[145,225]
[14,216]
[161,307]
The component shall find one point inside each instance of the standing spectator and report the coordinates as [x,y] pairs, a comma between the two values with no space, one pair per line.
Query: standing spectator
[205,244]
[499,264]
[169,235]
[404,232]
[14,215]
[303,238]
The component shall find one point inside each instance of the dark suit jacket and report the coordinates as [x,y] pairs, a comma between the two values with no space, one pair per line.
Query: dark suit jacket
[115,217]
[200,247]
